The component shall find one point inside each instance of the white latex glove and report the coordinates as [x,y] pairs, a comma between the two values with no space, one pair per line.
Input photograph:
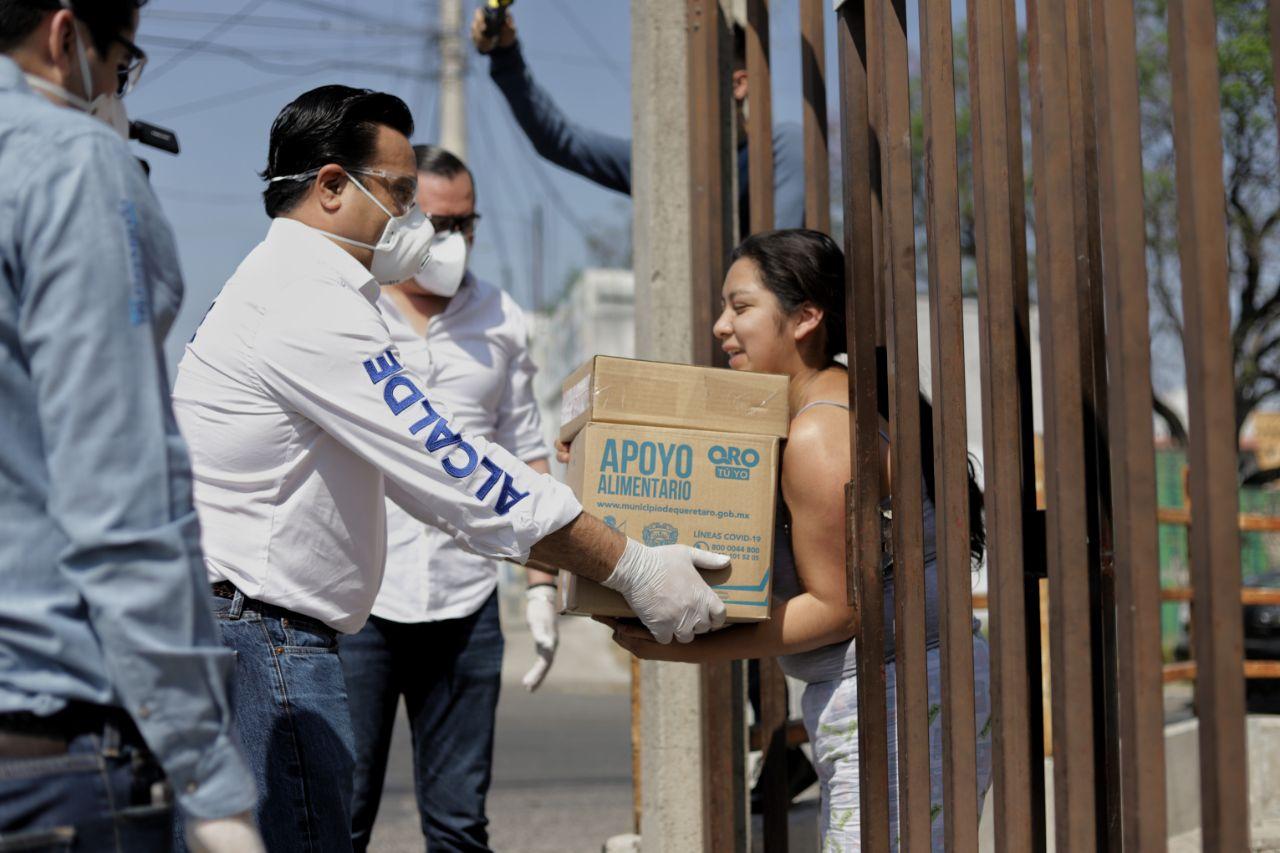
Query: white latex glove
[235,834]
[540,614]
[665,590]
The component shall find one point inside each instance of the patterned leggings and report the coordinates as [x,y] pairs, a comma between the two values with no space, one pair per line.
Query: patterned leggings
[831,718]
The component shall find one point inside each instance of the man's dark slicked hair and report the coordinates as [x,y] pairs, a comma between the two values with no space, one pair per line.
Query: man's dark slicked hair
[331,124]
[105,19]
[434,160]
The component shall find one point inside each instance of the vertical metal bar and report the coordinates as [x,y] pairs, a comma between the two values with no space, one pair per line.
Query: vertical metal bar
[725,814]
[1215,539]
[951,469]
[904,446]
[813,73]
[759,118]
[863,493]
[711,159]
[1058,164]
[773,707]
[1033,545]
[725,811]
[637,787]
[773,731]
[1093,378]
[1034,606]
[874,23]
[1132,450]
[1004,342]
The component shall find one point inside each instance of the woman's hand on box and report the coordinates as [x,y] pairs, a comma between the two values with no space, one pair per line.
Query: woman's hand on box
[562,452]
[633,636]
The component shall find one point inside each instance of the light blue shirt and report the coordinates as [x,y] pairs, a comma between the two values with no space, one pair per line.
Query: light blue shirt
[103,596]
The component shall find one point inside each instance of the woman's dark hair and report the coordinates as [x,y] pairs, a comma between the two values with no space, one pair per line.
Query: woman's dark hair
[105,19]
[799,266]
[331,124]
[977,526]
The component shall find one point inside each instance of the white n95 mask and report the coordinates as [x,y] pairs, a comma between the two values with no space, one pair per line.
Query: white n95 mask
[443,274]
[405,245]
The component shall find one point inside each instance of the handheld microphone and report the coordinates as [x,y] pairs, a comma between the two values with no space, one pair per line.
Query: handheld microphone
[495,12]
[154,136]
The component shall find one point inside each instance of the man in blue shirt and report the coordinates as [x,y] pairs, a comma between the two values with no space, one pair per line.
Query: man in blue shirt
[605,159]
[112,676]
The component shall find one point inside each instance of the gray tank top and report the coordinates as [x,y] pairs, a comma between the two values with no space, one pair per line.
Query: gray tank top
[839,660]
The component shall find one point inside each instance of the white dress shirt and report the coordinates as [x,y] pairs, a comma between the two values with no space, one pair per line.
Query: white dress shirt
[475,359]
[302,419]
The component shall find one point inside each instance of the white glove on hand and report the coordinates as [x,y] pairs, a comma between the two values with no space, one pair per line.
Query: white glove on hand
[663,587]
[235,834]
[540,614]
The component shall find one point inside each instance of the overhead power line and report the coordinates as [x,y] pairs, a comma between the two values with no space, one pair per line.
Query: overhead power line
[323,26]
[219,29]
[256,59]
[345,11]
[215,101]
[602,56]
[536,167]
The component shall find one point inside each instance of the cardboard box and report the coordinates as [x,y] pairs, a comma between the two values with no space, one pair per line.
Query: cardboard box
[627,391]
[661,486]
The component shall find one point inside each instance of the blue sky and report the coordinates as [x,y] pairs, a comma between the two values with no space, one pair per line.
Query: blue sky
[220,71]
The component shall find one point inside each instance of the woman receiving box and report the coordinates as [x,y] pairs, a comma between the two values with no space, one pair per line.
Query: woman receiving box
[784,312]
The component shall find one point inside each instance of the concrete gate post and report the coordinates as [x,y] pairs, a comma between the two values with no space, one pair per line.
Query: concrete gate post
[671,745]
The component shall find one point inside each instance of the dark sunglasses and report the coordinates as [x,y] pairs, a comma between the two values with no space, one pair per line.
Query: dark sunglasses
[444,224]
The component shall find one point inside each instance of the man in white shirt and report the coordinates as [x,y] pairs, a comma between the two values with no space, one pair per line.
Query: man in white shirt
[468,341]
[302,419]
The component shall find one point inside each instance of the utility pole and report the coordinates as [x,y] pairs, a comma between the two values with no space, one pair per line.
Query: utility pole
[537,249]
[453,98]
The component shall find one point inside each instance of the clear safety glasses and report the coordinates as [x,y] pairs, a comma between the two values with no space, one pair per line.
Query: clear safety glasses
[402,188]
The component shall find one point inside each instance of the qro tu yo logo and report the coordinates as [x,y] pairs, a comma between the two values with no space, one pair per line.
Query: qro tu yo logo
[733,463]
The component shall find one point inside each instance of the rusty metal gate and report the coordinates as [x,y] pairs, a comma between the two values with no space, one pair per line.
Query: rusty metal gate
[1095,539]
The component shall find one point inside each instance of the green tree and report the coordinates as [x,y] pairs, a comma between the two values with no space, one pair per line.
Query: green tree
[1252,175]
[1252,204]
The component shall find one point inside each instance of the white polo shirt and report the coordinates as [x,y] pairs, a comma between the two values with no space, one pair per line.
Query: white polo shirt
[475,359]
[302,419]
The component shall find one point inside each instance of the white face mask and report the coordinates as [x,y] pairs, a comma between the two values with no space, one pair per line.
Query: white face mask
[405,245]
[443,274]
[107,108]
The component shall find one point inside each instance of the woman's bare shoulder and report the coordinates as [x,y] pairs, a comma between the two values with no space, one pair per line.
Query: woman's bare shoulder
[817,448]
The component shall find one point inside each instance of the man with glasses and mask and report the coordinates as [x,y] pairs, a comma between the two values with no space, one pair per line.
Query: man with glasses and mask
[113,684]
[303,416]
[468,341]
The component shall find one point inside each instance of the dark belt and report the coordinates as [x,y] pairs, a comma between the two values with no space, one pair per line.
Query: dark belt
[226,589]
[27,735]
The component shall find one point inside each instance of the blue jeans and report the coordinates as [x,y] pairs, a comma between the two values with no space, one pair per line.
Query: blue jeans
[291,713]
[105,794]
[449,673]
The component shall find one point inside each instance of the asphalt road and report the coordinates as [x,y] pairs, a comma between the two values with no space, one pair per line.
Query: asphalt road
[562,766]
